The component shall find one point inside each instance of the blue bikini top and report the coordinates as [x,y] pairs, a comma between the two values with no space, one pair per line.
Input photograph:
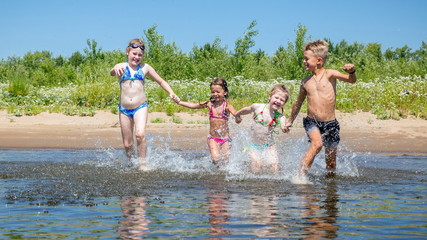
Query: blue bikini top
[130,74]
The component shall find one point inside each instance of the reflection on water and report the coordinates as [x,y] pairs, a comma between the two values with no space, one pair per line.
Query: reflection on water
[134,223]
[93,194]
[217,201]
[263,210]
[320,214]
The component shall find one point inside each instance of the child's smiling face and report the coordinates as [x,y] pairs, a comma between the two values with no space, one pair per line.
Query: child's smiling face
[278,99]
[311,61]
[217,93]
[134,56]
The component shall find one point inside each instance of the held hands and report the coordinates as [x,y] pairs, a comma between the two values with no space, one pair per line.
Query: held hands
[238,119]
[349,68]
[175,98]
[286,127]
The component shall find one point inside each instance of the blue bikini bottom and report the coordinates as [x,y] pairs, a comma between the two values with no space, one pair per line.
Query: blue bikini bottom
[131,112]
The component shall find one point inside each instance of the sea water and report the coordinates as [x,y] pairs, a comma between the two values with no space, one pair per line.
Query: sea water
[98,194]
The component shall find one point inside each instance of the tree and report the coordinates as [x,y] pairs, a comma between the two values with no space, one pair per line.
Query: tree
[76,59]
[210,60]
[92,52]
[373,52]
[288,60]
[242,47]
[167,59]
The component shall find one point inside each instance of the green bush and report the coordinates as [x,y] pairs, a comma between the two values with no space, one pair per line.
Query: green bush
[392,83]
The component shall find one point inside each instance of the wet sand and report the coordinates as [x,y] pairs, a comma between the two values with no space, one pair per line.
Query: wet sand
[360,132]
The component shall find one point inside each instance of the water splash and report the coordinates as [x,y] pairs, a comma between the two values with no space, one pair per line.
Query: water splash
[162,155]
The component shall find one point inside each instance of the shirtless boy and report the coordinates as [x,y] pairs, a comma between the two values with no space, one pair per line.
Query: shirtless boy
[319,88]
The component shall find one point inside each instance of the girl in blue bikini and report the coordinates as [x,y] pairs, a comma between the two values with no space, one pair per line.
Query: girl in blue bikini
[219,111]
[266,118]
[133,102]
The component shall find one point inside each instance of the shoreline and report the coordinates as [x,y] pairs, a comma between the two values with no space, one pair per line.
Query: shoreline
[360,132]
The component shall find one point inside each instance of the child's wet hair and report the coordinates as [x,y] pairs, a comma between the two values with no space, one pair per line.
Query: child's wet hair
[319,48]
[280,88]
[221,82]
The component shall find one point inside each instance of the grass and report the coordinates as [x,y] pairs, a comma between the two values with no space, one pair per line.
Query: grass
[158,120]
[198,122]
[176,119]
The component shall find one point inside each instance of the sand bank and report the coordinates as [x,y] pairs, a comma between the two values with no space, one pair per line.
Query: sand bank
[360,132]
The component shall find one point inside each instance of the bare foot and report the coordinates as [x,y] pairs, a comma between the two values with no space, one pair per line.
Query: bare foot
[300,179]
[144,168]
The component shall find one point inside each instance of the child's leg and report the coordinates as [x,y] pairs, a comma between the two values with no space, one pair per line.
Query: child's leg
[140,120]
[225,151]
[273,159]
[214,149]
[331,141]
[331,160]
[126,126]
[313,150]
[255,162]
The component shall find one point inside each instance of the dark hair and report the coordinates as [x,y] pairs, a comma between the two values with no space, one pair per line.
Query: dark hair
[221,82]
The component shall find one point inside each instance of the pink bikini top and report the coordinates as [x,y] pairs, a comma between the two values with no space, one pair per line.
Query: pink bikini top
[224,114]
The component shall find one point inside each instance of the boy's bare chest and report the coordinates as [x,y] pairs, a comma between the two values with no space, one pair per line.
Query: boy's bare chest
[319,87]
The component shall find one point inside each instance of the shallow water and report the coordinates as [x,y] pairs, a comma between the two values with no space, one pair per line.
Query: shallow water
[93,194]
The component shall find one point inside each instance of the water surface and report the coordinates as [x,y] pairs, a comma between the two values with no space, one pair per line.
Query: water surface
[93,194]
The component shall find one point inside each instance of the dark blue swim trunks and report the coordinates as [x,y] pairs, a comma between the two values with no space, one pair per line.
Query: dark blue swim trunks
[330,131]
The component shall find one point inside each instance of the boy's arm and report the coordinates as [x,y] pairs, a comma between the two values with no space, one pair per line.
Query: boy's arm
[296,108]
[350,78]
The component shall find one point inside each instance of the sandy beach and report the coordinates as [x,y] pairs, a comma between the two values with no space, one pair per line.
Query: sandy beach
[361,132]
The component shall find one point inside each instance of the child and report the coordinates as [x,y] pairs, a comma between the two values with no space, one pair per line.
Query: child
[133,102]
[267,118]
[320,89]
[219,111]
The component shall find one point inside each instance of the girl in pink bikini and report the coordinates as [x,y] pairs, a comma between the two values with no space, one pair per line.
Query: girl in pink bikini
[219,141]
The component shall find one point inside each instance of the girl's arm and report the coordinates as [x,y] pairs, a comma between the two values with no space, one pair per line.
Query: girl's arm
[118,69]
[231,109]
[156,77]
[244,111]
[233,112]
[282,120]
[193,105]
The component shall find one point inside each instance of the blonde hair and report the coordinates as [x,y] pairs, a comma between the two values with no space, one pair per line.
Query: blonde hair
[280,88]
[134,41]
[319,48]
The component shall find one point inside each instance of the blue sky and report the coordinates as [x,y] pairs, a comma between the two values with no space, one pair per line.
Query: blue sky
[63,26]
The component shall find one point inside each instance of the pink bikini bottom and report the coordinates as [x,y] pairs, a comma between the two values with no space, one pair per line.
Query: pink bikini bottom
[220,141]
